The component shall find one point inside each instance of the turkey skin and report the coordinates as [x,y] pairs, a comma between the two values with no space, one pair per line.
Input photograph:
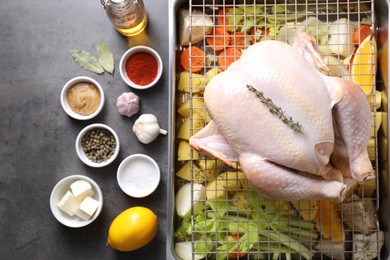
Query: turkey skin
[256,106]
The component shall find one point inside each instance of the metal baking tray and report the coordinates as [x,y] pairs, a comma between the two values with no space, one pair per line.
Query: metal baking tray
[376,15]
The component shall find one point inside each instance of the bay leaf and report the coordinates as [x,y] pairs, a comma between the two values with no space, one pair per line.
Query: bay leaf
[105,56]
[87,61]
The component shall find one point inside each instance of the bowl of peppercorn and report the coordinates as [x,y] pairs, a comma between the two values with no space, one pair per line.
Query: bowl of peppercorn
[97,145]
[140,67]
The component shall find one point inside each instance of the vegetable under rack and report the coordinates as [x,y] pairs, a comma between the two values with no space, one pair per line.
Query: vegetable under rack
[231,220]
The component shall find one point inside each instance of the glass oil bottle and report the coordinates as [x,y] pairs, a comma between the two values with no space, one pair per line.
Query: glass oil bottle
[128,16]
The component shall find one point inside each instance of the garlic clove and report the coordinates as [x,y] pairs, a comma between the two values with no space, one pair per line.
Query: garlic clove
[127,104]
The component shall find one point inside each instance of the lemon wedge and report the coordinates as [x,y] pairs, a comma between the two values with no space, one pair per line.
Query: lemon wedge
[375,100]
[376,122]
[384,63]
[363,65]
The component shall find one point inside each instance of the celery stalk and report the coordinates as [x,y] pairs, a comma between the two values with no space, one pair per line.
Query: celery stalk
[266,227]
[254,10]
[294,245]
[244,18]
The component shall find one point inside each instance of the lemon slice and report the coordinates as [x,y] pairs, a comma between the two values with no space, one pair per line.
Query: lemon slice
[376,122]
[375,100]
[383,61]
[363,65]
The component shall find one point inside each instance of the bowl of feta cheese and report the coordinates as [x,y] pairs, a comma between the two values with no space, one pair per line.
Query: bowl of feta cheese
[76,201]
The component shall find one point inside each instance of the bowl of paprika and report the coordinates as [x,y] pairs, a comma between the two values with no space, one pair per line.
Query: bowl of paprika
[140,67]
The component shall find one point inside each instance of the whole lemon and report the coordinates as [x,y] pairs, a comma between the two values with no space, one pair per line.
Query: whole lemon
[132,229]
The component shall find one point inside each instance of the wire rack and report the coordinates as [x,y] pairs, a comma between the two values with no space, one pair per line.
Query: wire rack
[233,221]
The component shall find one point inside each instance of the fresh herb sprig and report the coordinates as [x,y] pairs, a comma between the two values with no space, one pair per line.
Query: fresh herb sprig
[276,110]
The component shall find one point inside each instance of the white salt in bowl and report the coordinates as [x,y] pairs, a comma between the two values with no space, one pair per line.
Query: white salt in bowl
[138,175]
[59,191]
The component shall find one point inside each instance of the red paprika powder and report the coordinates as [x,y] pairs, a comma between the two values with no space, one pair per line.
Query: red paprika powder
[141,68]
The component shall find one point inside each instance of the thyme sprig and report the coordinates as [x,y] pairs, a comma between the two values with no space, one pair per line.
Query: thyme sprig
[276,110]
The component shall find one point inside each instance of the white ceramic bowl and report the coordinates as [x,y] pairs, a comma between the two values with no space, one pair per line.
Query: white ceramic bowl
[65,104]
[138,175]
[125,57]
[59,191]
[79,148]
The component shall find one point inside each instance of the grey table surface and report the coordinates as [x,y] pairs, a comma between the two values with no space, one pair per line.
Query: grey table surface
[37,137]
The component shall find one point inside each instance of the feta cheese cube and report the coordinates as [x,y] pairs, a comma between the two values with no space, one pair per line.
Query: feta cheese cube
[87,208]
[79,213]
[68,204]
[81,189]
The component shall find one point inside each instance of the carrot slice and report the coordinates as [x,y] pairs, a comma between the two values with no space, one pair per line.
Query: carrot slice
[221,19]
[328,221]
[361,33]
[218,39]
[238,39]
[228,56]
[192,58]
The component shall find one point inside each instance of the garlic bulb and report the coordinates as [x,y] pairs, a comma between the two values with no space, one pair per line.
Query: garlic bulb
[127,104]
[146,128]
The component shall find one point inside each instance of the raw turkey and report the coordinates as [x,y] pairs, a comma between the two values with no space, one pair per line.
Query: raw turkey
[323,144]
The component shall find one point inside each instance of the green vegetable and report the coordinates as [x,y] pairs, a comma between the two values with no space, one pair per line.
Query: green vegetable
[267,226]
[87,61]
[280,20]
[235,17]
[244,18]
[105,57]
[251,10]
[316,28]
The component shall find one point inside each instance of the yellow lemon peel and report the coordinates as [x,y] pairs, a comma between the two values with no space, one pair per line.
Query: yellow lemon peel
[132,229]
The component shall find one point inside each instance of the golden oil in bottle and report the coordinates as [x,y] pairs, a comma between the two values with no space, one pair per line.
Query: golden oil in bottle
[133,30]
[128,16]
